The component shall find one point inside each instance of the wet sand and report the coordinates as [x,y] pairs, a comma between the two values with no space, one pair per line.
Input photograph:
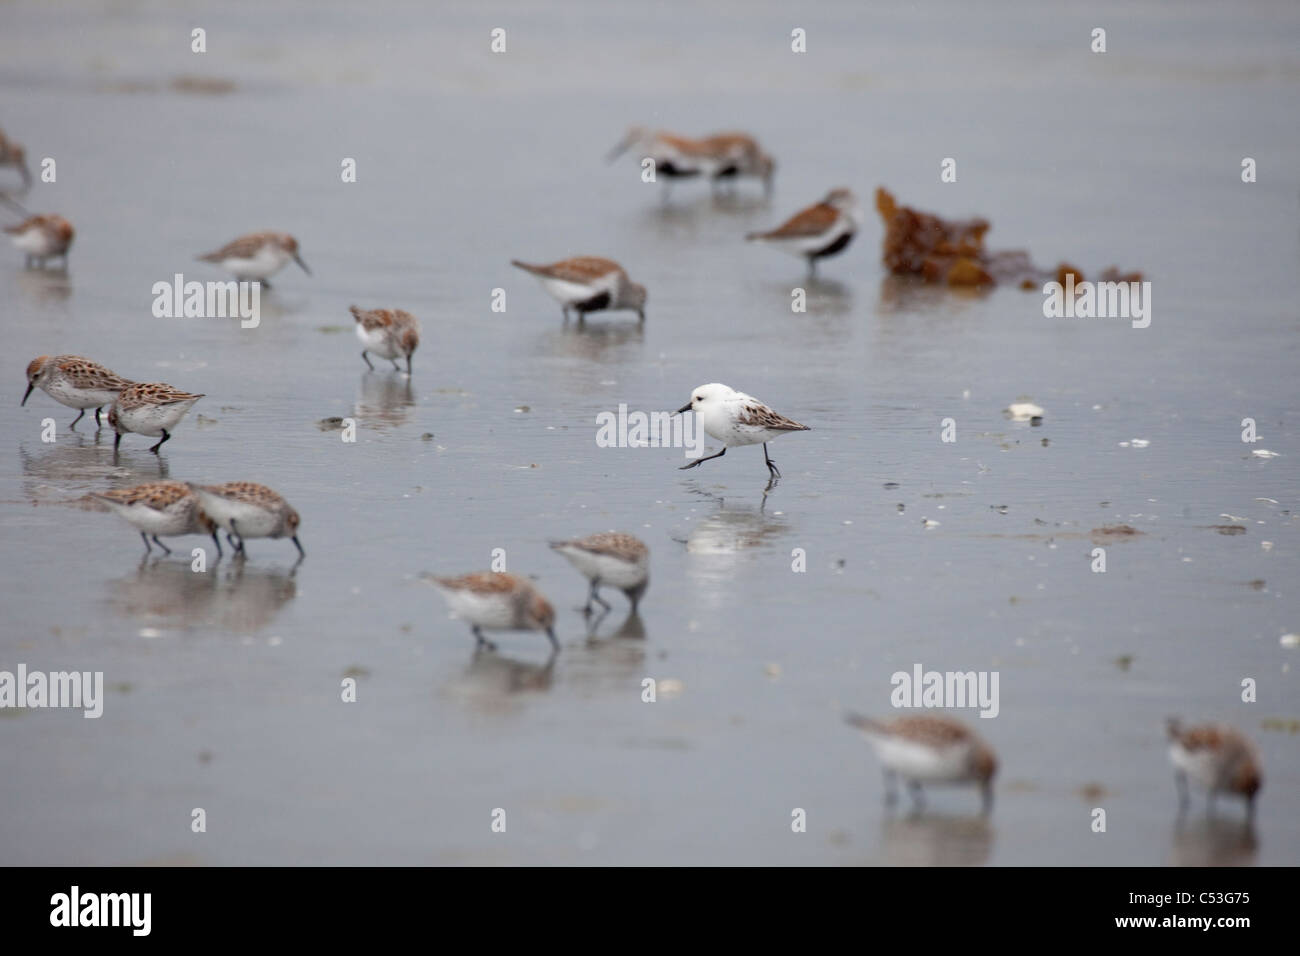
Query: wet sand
[223,688]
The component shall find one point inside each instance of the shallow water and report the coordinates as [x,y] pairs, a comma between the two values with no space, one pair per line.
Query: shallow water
[224,687]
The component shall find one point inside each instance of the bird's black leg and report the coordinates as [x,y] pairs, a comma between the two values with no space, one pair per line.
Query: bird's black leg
[154,448]
[265,285]
[771,465]
[700,461]
[396,367]
[166,550]
[1180,783]
[595,596]
[367,360]
[555,645]
[408,365]
[986,792]
[918,798]
[482,641]
[145,538]
[217,542]
[117,440]
[97,418]
[237,545]
[891,788]
[812,267]
[80,417]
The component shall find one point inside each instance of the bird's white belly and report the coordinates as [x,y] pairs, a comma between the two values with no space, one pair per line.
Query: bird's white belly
[1199,766]
[569,293]
[606,569]
[377,341]
[34,242]
[245,519]
[265,263]
[67,394]
[722,426]
[153,420]
[492,611]
[925,764]
[176,520]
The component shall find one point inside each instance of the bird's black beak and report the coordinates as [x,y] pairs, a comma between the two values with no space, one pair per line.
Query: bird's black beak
[684,408]
[298,260]
[623,145]
[27,394]
[301,552]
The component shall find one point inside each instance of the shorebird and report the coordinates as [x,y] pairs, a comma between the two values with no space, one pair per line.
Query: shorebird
[619,560]
[74,381]
[149,408]
[249,510]
[160,507]
[257,256]
[821,230]
[496,601]
[589,284]
[43,237]
[719,158]
[1216,757]
[12,154]
[737,419]
[929,748]
[389,333]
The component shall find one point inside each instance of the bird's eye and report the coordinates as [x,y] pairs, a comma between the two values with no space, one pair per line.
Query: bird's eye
[699,398]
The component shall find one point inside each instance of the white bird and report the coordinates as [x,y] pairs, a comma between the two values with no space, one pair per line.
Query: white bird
[736,419]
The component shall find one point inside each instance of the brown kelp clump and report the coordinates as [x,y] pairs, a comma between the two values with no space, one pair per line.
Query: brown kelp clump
[951,252]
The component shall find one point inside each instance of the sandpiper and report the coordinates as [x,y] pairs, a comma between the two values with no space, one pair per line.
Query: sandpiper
[929,748]
[619,560]
[497,601]
[389,333]
[249,510]
[42,237]
[719,158]
[737,419]
[149,408]
[160,507]
[589,284]
[1218,758]
[74,381]
[257,256]
[12,154]
[819,231]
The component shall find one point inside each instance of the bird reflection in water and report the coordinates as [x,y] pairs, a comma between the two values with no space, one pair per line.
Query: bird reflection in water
[385,399]
[231,597]
[935,840]
[1213,841]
